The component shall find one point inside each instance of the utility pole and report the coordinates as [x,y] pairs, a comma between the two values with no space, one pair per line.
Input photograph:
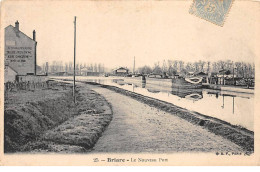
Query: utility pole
[74,60]
[134,66]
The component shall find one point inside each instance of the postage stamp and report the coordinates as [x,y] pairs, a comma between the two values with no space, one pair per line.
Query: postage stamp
[214,11]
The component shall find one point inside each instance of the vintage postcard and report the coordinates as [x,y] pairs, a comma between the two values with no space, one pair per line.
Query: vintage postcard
[130,83]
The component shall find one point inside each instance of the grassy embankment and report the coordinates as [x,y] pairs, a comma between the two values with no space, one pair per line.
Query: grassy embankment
[47,120]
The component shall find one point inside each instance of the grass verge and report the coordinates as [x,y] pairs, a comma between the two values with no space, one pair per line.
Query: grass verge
[48,120]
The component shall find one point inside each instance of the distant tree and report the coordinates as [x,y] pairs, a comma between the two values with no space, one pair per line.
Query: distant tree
[171,71]
[70,67]
[80,67]
[208,66]
[228,65]
[221,65]
[145,70]
[103,67]
[175,65]
[189,67]
[77,69]
[91,67]
[95,67]
[215,67]
[54,67]
[157,69]
[164,66]
[253,70]
[249,67]
[181,64]
[66,67]
[238,66]
[201,66]
[196,66]
[98,67]
[184,71]
[43,67]
[60,66]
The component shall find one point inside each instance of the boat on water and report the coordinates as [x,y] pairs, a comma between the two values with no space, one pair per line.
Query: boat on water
[187,82]
[191,80]
[176,81]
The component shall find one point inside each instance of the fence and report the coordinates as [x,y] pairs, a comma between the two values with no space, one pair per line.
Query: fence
[27,82]
[11,88]
[31,78]
[28,86]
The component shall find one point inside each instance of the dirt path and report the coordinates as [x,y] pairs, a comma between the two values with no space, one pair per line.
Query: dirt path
[137,127]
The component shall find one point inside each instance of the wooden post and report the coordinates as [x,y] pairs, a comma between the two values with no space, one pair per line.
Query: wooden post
[74,96]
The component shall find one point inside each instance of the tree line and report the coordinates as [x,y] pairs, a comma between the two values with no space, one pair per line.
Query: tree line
[59,66]
[174,67]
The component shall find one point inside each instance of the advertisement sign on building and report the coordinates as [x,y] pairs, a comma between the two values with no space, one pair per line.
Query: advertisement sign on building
[20,51]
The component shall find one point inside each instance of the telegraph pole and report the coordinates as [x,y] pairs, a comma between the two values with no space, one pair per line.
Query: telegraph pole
[134,66]
[74,60]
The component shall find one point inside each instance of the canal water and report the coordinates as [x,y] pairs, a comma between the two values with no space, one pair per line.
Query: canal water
[235,108]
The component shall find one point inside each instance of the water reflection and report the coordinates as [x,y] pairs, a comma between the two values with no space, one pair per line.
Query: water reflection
[235,108]
[194,96]
[204,101]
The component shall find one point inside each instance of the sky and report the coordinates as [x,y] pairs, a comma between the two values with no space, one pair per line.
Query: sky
[114,32]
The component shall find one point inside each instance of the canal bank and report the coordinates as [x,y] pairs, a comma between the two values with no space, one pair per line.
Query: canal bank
[142,124]
[235,134]
[220,129]
[228,106]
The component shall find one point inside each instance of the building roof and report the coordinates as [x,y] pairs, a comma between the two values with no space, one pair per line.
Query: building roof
[19,31]
[120,68]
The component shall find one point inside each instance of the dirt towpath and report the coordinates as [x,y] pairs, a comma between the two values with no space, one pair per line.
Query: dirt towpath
[136,127]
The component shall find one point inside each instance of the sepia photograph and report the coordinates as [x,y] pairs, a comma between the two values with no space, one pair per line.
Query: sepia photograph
[129,83]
